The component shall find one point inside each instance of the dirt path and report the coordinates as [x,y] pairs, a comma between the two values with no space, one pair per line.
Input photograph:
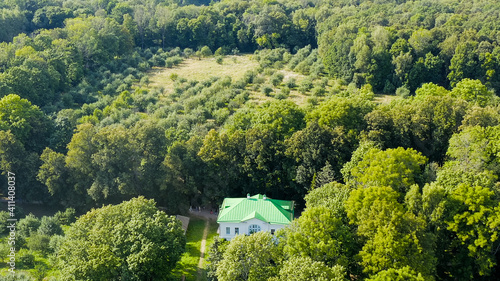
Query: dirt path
[207,216]
[202,250]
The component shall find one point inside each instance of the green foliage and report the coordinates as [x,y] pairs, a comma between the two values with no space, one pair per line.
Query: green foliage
[472,91]
[252,257]
[28,226]
[131,239]
[345,112]
[304,268]
[205,51]
[67,217]
[215,256]
[39,242]
[332,195]
[26,260]
[394,238]
[397,168]
[400,274]
[474,218]
[26,121]
[50,226]
[321,236]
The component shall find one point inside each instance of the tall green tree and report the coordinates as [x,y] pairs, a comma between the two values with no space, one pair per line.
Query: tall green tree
[252,257]
[132,240]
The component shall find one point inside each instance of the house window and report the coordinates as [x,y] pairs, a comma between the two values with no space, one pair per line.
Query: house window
[228,230]
[272,231]
[236,230]
[253,228]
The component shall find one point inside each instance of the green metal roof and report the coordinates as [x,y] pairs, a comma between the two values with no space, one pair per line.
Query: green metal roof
[256,207]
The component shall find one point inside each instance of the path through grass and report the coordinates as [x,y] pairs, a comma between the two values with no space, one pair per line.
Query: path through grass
[188,265]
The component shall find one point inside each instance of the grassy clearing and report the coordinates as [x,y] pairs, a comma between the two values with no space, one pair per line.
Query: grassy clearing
[233,66]
[384,99]
[195,69]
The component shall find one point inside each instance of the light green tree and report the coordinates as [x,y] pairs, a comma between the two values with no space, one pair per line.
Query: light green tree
[320,235]
[394,237]
[304,268]
[252,258]
[132,240]
[398,168]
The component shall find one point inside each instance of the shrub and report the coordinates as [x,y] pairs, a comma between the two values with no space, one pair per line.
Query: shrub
[205,51]
[55,242]
[173,76]
[269,71]
[291,83]
[249,76]
[277,78]
[188,52]
[219,52]
[403,92]
[39,242]
[280,96]
[28,226]
[318,91]
[26,260]
[259,80]
[305,86]
[267,89]
[219,60]
[285,90]
[50,226]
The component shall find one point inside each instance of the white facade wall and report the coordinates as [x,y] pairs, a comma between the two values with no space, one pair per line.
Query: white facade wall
[244,227]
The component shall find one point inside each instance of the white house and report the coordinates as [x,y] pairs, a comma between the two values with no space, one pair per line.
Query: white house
[253,214]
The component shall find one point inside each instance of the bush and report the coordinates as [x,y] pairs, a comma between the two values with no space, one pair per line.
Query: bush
[277,78]
[55,242]
[50,226]
[219,60]
[403,92]
[220,52]
[269,71]
[174,76]
[249,76]
[205,51]
[280,96]
[28,226]
[259,80]
[267,89]
[285,90]
[318,91]
[188,52]
[305,86]
[291,83]
[25,260]
[39,242]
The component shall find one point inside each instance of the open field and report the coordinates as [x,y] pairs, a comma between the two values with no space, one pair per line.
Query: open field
[201,69]
[233,66]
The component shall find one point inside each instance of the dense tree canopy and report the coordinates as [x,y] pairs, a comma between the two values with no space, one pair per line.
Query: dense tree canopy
[379,118]
[131,240]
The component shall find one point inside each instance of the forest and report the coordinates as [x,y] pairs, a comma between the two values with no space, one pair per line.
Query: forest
[380,119]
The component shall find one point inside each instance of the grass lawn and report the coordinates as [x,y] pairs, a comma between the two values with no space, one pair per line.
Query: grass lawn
[212,232]
[188,265]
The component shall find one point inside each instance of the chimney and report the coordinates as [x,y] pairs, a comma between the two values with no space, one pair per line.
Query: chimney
[248,195]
